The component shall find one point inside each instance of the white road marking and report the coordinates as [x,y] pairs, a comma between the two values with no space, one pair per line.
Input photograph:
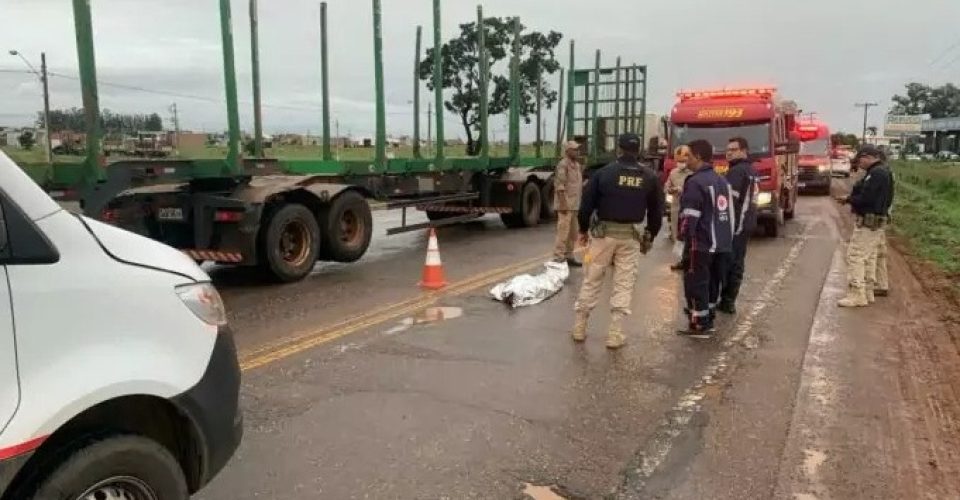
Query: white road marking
[689,403]
[817,383]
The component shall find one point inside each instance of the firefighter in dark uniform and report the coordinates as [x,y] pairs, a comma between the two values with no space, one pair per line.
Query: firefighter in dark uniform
[744,181]
[616,201]
[707,227]
[871,200]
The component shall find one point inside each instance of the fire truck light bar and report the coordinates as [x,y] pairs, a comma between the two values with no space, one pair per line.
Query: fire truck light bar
[703,94]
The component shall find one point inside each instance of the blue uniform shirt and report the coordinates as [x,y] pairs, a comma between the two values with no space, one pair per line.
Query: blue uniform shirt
[706,212]
[625,192]
[745,183]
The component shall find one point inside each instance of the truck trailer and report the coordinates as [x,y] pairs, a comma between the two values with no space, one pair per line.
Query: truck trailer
[284,215]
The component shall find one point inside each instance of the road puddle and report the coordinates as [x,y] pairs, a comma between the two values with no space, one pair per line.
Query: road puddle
[427,316]
[540,492]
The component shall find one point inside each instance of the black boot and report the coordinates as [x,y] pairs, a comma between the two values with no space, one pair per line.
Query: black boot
[727,307]
[574,262]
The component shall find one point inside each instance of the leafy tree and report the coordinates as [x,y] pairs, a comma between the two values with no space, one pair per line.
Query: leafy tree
[938,102]
[460,60]
[113,123]
[842,139]
[27,140]
[872,131]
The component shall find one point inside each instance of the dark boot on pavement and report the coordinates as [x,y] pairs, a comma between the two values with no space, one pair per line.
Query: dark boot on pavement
[574,262]
[727,307]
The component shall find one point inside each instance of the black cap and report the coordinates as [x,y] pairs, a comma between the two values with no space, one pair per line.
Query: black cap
[630,142]
[868,150]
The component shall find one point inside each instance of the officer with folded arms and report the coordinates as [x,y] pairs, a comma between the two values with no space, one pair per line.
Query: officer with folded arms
[617,200]
[870,200]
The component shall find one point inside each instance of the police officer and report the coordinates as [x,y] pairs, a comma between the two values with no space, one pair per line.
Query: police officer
[870,199]
[568,188]
[707,226]
[619,197]
[743,180]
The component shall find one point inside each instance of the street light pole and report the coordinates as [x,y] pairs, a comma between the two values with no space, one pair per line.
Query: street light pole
[42,74]
[866,110]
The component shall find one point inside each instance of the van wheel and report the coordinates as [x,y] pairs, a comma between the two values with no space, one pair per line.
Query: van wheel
[124,467]
[291,243]
[530,205]
[347,227]
[547,206]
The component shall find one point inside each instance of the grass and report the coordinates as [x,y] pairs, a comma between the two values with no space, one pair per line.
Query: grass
[927,212]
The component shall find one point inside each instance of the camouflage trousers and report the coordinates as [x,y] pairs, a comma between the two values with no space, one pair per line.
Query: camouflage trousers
[862,258]
[567,231]
[877,277]
[623,255]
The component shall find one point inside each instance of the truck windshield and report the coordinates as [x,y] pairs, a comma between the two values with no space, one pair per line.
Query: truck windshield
[757,135]
[819,147]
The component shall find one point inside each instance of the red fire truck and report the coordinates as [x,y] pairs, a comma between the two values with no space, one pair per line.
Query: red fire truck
[765,121]
[815,157]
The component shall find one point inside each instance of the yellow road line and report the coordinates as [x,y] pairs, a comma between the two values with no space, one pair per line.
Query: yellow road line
[295,344]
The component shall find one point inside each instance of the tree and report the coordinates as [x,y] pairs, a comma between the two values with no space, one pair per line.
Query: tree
[920,99]
[113,123]
[842,139]
[27,140]
[872,131]
[460,60]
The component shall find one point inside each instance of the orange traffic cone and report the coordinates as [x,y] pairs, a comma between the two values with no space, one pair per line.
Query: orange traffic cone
[433,268]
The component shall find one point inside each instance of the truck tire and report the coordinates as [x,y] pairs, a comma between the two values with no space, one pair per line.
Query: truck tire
[290,243]
[529,207]
[347,227]
[547,207]
[116,467]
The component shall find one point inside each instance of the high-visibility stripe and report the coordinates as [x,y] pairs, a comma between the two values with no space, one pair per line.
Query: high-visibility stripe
[713,221]
[691,212]
[701,314]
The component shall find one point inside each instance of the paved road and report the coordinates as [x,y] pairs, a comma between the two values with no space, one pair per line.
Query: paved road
[356,385]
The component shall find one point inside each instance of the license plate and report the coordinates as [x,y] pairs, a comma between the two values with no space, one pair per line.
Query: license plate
[170,213]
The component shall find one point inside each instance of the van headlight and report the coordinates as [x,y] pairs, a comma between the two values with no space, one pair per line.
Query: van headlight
[204,301]
[823,167]
[764,198]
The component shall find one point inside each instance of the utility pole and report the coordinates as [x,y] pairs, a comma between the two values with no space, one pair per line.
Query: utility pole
[46,106]
[42,74]
[176,126]
[429,125]
[866,111]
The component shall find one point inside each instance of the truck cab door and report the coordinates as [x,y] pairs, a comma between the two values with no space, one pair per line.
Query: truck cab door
[9,382]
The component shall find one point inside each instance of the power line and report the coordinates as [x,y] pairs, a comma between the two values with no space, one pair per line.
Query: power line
[945,52]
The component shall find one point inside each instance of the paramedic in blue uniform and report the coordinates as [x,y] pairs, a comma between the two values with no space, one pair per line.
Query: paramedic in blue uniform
[707,227]
[744,181]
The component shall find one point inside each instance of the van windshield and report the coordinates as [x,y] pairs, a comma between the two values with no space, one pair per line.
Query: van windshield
[757,135]
[819,147]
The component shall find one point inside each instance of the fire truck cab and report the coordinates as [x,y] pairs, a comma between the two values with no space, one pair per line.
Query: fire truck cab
[766,122]
[815,157]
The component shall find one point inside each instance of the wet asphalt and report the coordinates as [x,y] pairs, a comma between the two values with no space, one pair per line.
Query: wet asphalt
[482,400]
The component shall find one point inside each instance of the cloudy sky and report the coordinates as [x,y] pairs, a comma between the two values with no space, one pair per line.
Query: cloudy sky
[825,54]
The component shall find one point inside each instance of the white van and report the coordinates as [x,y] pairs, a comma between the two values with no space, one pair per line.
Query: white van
[118,378]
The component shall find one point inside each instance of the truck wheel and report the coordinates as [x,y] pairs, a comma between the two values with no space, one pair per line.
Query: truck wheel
[118,467]
[529,213]
[347,227]
[291,243]
[547,206]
